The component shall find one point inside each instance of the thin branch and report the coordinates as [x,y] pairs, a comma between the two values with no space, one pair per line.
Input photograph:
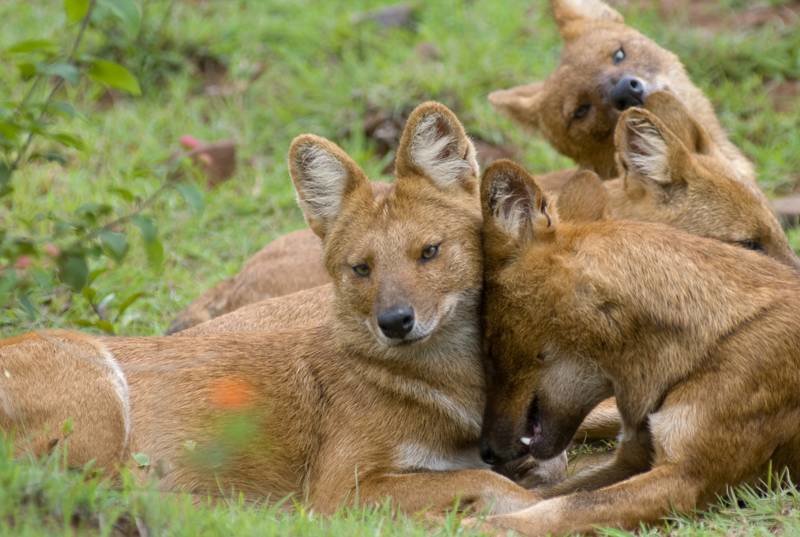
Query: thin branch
[70,57]
[128,216]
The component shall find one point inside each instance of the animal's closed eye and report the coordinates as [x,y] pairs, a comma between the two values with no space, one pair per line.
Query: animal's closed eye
[582,111]
[751,244]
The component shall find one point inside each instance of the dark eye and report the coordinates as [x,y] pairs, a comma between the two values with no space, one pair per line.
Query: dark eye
[752,244]
[582,111]
[429,252]
[618,56]
[362,270]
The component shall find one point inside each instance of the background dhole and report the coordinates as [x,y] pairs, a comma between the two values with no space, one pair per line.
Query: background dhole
[606,67]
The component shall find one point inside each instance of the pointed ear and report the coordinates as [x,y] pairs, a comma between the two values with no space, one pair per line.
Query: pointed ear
[648,150]
[514,203]
[673,114]
[583,198]
[567,12]
[324,176]
[520,103]
[435,145]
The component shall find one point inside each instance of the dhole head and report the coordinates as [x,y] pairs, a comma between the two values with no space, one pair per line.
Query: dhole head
[406,262]
[606,67]
[674,174]
[520,221]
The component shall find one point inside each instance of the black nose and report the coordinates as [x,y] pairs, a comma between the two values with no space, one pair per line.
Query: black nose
[396,322]
[487,454]
[628,92]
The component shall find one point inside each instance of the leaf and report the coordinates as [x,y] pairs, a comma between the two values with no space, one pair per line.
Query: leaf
[8,280]
[27,70]
[67,427]
[152,246]
[73,270]
[115,244]
[105,326]
[146,226]
[64,108]
[67,71]
[96,273]
[114,75]
[9,130]
[102,324]
[33,45]
[5,176]
[27,305]
[123,193]
[69,140]
[76,9]
[141,459]
[125,304]
[127,12]
[192,195]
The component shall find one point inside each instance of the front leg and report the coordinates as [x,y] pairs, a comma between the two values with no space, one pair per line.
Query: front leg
[631,457]
[602,423]
[643,498]
[478,490]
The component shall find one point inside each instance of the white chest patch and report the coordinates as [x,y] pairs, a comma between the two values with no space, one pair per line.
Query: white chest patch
[672,427]
[411,456]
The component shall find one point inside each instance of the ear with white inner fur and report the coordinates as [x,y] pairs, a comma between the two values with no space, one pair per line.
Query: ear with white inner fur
[323,176]
[648,150]
[435,145]
[514,202]
[520,103]
[569,11]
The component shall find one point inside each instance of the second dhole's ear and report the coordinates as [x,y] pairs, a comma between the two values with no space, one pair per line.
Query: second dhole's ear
[435,145]
[521,103]
[324,176]
[583,198]
[648,150]
[567,12]
[514,203]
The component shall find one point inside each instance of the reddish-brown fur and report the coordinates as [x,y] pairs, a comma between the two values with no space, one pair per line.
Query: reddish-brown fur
[336,411]
[698,340]
[573,108]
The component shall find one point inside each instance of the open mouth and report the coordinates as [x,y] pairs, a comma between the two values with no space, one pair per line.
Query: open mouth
[533,425]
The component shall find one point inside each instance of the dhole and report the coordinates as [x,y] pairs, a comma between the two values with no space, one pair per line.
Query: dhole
[606,67]
[698,340]
[382,400]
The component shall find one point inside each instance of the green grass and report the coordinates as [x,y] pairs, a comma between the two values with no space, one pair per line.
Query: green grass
[321,72]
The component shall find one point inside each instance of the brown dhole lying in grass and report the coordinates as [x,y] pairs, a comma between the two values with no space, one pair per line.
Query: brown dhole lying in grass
[698,340]
[383,399]
[606,67]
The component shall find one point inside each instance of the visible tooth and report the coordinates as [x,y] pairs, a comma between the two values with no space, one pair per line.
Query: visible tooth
[526,440]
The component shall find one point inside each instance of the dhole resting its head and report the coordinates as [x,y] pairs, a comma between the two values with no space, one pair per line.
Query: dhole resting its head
[606,67]
[646,303]
[674,173]
[406,264]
